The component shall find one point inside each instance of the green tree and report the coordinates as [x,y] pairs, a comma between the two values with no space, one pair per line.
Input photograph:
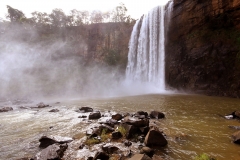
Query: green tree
[119,13]
[58,18]
[15,15]
[96,17]
[41,18]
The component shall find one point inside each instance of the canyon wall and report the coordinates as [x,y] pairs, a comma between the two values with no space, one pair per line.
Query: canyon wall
[203,47]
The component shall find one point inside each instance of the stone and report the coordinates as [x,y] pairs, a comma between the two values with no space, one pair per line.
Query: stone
[130,130]
[236,137]
[155,157]
[142,113]
[148,151]
[140,157]
[110,149]
[155,139]
[42,105]
[157,115]
[6,109]
[54,110]
[82,116]
[237,114]
[117,117]
[127,143]
[46,141]
[144,130]
[86,109]
[136,122]
[52,152]
[101,155]
[116,135]
[94,115]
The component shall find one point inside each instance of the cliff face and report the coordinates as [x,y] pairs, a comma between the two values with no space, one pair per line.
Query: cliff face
[203,47]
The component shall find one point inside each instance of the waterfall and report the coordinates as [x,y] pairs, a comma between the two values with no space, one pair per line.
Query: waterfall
[146,56]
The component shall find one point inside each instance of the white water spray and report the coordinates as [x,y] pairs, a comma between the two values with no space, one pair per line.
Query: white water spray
[146,56]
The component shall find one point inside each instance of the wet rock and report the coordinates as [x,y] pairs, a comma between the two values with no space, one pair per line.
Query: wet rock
[111,122]
[6,109]
[110,149]
[86,109]
[229,116]
[101,155]
[22,107]
[107,128]
[236,114]
[116,135]
[235,127]
[81,146]
[157,115]
[142,113]
[154,138]
[54,110]
[136,122]
[127,143]
[130,130]
[236,137]
[148,151]
[42,105]
[25,159]
[83,116]
[117,117]
[47,141]
[94,115]
[141,138]
[52,152]
[140,157]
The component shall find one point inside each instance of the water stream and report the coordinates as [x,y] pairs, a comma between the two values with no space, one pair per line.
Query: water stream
[192,125]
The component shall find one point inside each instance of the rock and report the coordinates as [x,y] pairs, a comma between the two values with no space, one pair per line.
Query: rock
[117,117]
[94,115]
[127,143]
[81,146]
[136,122]
[6,109]
[236,114]
[86,109]
[101,155]
[144,130]
[25,159]
[130,130]
[52,152]
[109,149]
[142,113]
[236,137]
[42,105]
[22,107]
[111,122]
[54,110]
[155,139]
[148,151]
[47,141]
[83,116]
[140,157]
[157,115]
[116,135]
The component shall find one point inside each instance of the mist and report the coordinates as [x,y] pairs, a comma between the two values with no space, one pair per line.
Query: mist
[50,69]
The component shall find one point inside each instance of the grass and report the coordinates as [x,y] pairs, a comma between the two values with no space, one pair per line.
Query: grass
[204,156]
[104,136]
[122,130]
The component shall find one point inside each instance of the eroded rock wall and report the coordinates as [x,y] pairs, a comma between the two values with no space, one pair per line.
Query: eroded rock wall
[203,47]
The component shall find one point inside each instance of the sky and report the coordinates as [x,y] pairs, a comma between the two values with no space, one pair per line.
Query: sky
[136,8]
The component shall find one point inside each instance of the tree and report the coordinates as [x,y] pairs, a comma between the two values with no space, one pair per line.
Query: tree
[58,18]
[119,13]
[75,18]
[96,17]
[41,18]
[15,15]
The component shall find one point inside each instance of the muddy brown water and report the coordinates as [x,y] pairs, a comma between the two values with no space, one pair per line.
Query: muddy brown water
[193,124]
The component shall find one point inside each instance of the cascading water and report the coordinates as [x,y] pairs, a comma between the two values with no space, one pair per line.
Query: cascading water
[146,56]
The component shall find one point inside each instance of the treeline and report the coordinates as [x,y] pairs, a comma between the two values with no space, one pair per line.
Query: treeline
[58,18]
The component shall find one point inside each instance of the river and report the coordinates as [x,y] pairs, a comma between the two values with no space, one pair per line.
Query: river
[193,124]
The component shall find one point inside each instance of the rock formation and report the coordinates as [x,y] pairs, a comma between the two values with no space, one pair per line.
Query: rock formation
[203,47]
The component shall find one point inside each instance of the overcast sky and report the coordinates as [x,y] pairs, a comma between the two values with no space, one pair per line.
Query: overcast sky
[136,8]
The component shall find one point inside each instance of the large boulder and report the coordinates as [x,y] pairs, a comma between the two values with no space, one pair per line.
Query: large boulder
[130,130]
[52,152]
[146,150]
[46,141]
[110,149]
[42,105]
[155,139]
[117,116]
[140,157]
[236,137]
[86,109]
[6,109]
[94,115]
[136,121]
[101,155]
[157,115]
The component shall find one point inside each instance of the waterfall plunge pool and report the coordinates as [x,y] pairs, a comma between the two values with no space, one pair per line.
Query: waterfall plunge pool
[192,124]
